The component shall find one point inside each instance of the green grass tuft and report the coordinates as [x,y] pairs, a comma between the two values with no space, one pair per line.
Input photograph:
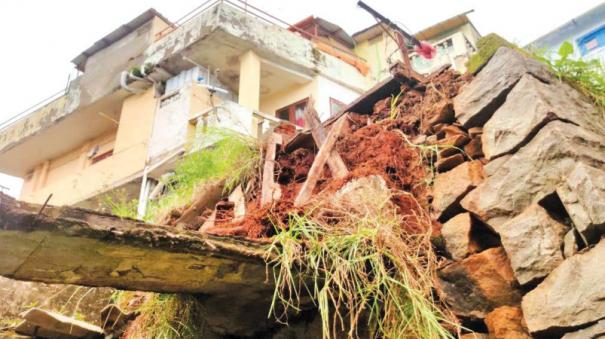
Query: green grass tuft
[361,271]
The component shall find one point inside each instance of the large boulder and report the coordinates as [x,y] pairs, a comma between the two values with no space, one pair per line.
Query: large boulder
[583,195]
[573,295]
[534,172]
[528,107]
[450,187]
[480,98]
[478,284]
[533,242]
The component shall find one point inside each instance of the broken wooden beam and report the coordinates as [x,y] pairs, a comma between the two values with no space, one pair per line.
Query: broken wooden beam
[335,163]
[320,160]
[67,245]
[206,196]
[270,190]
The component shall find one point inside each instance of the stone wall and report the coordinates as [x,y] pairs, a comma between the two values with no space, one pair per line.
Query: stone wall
[541,188]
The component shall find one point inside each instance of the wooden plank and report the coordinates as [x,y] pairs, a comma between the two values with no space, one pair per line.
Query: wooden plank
[318,131]
[320,160]
[270,190]
[239,203]
[207,195]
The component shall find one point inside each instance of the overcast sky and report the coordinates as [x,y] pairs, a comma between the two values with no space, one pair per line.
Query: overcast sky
[39,38]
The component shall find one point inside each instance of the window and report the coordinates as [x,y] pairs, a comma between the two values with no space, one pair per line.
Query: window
[336,106]
[293,112]
[592,41]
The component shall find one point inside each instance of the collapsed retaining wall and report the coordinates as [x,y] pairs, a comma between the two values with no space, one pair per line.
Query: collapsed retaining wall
[541,189]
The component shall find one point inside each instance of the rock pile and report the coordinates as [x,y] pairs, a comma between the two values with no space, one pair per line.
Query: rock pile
[538,184]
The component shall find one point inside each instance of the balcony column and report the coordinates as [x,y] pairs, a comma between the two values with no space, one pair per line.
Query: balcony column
[249,85]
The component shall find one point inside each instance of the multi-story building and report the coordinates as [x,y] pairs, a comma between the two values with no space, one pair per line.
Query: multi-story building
[586,33]
[454,38]
[147,89]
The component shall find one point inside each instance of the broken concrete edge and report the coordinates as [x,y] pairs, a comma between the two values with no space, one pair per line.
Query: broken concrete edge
[73,222]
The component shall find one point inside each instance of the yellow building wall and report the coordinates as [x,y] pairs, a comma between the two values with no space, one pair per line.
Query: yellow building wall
[271,103]
[73,177]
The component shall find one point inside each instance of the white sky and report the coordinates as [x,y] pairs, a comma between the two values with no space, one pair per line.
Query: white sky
[39,38]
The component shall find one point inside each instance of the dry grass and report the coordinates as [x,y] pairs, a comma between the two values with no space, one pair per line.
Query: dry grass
[361,271]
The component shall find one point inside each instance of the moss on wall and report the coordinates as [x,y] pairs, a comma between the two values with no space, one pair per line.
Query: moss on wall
[486,47]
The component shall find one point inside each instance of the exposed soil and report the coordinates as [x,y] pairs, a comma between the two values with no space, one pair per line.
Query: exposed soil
[376,144]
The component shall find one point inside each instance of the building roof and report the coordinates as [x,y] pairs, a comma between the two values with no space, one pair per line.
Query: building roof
[571,28]
[117,34]
[425,34]
[331,28]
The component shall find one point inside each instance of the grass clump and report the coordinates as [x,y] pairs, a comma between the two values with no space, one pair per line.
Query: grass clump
[234,158]
[361,271]
[486,47]
[164,316]
[587,76]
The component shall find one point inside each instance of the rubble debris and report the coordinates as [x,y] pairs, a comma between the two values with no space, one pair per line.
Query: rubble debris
[571,296]
[51,325]
[337,166]
[325,152]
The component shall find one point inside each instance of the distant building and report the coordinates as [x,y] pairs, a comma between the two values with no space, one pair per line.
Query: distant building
[586,33]
[454,38]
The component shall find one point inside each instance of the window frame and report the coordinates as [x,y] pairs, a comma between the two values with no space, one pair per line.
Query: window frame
[292,110]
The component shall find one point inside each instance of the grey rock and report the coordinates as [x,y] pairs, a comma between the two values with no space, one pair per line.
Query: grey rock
[529,106]
[583,195]
[592,332]
[457,235]
[572,295]
[533,242]
[480,98]
[535,171]
[451,186]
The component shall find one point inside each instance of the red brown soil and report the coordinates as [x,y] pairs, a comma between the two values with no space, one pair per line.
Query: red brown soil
[373,145]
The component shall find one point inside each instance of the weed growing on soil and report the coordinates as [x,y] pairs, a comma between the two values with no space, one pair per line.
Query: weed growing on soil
[394,110]
[359,270]
[587,76]
[167,316]
[233,157]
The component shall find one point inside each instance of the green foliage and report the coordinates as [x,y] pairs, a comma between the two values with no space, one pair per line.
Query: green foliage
[118,204]
[486,47]
[359,271]
[587,76]
[233,157]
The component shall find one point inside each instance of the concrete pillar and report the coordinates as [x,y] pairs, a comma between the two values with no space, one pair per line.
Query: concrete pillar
[249,80]
[249,85]
[40,175]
